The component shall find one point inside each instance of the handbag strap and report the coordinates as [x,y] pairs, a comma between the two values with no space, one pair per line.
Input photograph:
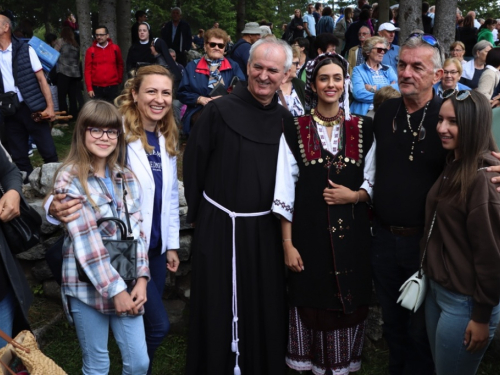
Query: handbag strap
[427,242]
[13,342]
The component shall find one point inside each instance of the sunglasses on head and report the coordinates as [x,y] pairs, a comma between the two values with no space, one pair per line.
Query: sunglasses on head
[220,45]
[427,38]
[460,95]
[381,50]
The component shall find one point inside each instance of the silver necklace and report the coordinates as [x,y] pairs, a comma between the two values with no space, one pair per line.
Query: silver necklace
[420,131]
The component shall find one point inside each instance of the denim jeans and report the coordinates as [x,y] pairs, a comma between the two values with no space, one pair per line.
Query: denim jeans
[7,308]
[156,320]
[447,316]
[92,328]
[394,259]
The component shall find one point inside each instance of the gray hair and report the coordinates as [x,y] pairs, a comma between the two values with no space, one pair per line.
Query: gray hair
[437,56]
[172,51]
[273,43]
[479,46]
[176,8]
[372,42]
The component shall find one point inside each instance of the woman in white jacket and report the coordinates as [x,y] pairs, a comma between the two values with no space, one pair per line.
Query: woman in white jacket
[151,133]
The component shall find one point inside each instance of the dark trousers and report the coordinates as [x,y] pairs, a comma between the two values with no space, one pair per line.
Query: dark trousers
[18,128]
[108,93]
[156,321]
[69,86]
[394,259]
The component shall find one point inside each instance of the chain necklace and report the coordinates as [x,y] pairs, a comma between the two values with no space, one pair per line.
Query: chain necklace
[418,131]
[327,121]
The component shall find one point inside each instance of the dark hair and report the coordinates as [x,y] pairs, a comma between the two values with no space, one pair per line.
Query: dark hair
[473,117]
[488,22]
[493,58]
[317,6]
[327,11]
[334,59]
[49,38]
[425,7]
[364,15]
[348,11]
[323,40]
[139,13]
[68,35]
[468,21]
[102,27]
[302,42]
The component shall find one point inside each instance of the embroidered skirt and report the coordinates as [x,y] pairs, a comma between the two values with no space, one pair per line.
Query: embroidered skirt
[317,351]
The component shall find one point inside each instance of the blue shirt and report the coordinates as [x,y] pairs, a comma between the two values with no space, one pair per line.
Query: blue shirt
[154,159]
[391,58]
[311,24]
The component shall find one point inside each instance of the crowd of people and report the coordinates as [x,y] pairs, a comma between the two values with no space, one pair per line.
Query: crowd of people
[317,164]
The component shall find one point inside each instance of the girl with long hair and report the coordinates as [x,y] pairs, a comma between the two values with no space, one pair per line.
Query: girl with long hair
[463,253]
[152,137]
[324,179]
[95,174]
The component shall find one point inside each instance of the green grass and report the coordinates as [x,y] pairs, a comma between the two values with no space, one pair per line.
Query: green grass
[63,145]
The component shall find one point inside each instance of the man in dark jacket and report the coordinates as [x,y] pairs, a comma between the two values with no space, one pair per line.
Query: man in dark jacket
[241,50]
[177,35]
[22,73]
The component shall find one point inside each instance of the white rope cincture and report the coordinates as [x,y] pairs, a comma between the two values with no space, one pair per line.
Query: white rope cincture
[233,216]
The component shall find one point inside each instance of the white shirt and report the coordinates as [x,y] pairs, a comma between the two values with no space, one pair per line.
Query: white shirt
[495,35]
[6,67]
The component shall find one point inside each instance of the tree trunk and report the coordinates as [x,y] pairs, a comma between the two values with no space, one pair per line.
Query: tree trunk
[409,18]
[107,17]
[444,24]
[383,11]
[240,18]
[123,27]
[83,14]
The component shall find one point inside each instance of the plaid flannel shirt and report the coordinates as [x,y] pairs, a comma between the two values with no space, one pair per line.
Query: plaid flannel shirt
[84,239]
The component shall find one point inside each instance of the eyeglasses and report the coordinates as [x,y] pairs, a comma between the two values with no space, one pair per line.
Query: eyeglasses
[97,133]
[460,95]
[296,63]
[220,45]
[450,72]
[101,34]
[381,50]
[427,38]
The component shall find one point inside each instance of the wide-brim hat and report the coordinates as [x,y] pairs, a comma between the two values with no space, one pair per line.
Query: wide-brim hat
[251,28]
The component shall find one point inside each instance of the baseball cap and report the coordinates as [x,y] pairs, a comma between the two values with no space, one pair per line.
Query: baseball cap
[388,26]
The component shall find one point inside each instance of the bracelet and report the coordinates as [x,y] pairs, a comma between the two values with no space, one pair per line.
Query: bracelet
[286,239]
[357,200]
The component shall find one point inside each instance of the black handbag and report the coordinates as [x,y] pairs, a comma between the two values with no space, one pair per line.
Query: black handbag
[23,232]
[122,252]
[9,103]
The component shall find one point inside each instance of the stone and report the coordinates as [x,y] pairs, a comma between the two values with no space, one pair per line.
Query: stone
[29,193]
[183,211]
[46,228]
[47,177]
[183,286]
[374,323]
[34,179]
[51,289]
[184,269]
[185,246]
[41,271]
[183,225]
[35,253]
[57,132]
[182,198]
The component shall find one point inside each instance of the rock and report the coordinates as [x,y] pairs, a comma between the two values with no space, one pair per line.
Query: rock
[184,225]
[183,286]
[35,253]
[185,246]
[374,323]
[183,211]
[182,198]
[170,280]
[29,193]
[51,289]
[176,315]
[57,132]
[34,179]
[46,228]
[41,271]
[184,269]
[41,179]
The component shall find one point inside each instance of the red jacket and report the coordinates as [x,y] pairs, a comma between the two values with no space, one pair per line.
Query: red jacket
[103,66]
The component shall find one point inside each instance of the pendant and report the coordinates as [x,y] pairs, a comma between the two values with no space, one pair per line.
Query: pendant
[404,131]
[415,134]
[411,157]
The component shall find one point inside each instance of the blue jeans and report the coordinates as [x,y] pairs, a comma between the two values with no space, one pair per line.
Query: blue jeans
[7,308]
[394,259]
[92,328]
[447,316]
[156,320]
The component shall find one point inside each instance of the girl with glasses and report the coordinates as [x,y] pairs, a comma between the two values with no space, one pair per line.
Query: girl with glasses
[95,173]
[463,253]
[371,76]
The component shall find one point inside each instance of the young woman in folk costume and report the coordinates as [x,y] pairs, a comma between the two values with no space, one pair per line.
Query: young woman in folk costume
[324,179]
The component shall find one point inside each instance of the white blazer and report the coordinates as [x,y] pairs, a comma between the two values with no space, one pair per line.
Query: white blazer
[139,164]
